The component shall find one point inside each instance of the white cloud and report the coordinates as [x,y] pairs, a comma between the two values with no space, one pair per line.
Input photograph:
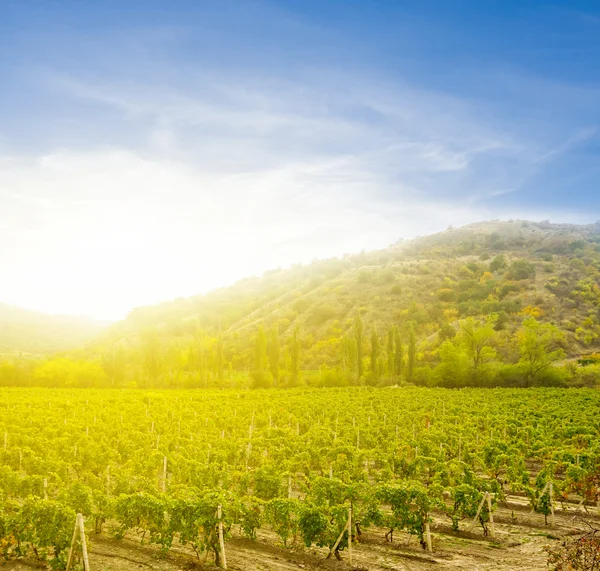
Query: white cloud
[234,178]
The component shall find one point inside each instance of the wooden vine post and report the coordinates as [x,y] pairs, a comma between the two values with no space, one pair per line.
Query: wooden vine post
[551,493]
[164,475]
[221,538]
[489,504]
[79,530]
[350,535]
[428,536]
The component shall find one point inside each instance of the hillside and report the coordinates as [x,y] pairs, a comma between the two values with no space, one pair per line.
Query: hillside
[418,305]
[32,333]
[411,281]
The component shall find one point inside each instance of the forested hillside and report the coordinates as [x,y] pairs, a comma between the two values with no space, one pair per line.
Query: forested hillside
[31,333]
[496,303]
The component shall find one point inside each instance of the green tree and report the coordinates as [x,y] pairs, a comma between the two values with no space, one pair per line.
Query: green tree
[274,353]
[478,340]
[152,359]
[375,352]
[219,358]
[391,352]
[498,263]
[358,337]
[260,378]
[412,354]
[454,366]
[348,353]
[114,363]
[399,353]
[538,347]
[260,350]
[294,350]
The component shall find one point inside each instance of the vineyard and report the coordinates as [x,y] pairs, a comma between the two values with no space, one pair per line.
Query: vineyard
[295,470]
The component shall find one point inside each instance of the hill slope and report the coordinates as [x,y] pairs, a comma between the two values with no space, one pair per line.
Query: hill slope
[453,308]
[411,281]
[29,332]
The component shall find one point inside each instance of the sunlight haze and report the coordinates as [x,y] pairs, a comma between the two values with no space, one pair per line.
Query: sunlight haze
[156,164]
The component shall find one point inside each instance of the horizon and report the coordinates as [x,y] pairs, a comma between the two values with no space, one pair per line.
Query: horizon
[150,153]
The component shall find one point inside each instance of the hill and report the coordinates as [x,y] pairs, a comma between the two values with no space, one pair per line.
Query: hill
[548,266]
[454,308]
[29,333]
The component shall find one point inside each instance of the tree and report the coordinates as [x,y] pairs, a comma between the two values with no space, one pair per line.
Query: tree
[259,373]
[478,339]
[375,352]
[391,352]
[358,337]
[295,357]
[274,353]
[114,363]
[348,353]
[412,354]
[498,263]
[538,347]
[453,369]
[151,354]
[219,359]
[260,350]
[520,270]
[399,353]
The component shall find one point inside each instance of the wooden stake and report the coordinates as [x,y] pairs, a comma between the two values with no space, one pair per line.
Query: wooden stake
[45,489]
[477,514]
[552,519]
[345,528]
[72,548]
[86,563]
[79,529]
[428,536]
[350,535]
[221,539]
[489,503]
[164,478]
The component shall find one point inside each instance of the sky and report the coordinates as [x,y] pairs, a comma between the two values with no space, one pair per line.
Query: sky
[151,150]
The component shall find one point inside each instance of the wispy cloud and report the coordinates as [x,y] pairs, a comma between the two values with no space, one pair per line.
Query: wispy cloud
[211,176]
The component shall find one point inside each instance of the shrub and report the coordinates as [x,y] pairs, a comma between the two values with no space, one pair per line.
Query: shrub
[521,270]
[498,263]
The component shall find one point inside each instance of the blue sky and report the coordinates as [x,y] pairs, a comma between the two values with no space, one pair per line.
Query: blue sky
[244,135]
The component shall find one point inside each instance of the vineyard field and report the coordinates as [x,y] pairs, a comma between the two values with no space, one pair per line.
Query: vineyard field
[423,478]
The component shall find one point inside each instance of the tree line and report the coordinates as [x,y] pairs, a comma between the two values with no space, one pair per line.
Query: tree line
[467,352]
